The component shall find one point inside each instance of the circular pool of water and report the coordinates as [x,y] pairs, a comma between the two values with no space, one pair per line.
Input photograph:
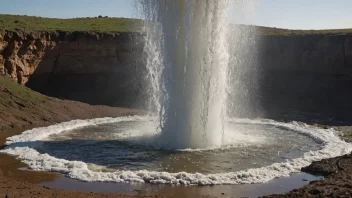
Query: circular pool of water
[131,149]
[135,145]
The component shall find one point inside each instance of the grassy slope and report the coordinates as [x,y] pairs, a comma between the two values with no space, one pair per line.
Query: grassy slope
[33,24]
[20,107]
[278,31]
[13,94]
[14,102]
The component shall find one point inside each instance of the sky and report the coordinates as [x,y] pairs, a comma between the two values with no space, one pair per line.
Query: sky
[291,14]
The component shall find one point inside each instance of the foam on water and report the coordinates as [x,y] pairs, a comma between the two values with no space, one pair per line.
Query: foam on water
[22,146]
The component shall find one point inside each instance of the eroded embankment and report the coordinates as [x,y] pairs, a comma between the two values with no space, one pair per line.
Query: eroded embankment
[98,68]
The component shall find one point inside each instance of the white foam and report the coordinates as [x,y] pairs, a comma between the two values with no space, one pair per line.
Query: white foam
[331,146]
[44,132]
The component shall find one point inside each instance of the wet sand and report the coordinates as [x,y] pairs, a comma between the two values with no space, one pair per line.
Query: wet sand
[14,168]
[280,185]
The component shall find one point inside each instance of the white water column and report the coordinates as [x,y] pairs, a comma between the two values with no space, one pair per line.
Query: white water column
[188,57]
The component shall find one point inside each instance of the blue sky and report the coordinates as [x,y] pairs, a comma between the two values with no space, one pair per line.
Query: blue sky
[293,14]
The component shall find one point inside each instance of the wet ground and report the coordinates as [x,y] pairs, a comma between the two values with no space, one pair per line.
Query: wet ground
[280,185]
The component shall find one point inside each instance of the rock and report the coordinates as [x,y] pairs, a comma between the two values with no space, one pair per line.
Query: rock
[10,66]
[315,192]
[324,167]
[2,66]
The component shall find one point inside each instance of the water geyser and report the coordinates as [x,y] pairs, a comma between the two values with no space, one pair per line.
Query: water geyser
[187,61]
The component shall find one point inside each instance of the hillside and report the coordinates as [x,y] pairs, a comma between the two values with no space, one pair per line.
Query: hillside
[286,32]
[33,24]
[106,24]
[22,107]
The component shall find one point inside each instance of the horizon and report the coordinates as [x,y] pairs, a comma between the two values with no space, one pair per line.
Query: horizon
[142,19]
[293,15]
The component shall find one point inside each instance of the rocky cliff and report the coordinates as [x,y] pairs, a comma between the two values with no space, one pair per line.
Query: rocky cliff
[306,77]
[98,68]
[318,53]
[295,75]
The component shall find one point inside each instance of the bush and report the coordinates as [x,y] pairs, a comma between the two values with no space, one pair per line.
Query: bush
[100,16]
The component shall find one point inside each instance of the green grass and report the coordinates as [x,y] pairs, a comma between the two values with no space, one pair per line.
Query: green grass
[270,31]
[286,32]
[11,93]
[33,24]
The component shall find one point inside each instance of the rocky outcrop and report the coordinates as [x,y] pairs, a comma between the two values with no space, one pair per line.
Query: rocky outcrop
[24,55]
[21,54]
[98,68]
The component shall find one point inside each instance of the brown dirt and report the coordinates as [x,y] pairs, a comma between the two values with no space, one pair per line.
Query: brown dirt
[12,188]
